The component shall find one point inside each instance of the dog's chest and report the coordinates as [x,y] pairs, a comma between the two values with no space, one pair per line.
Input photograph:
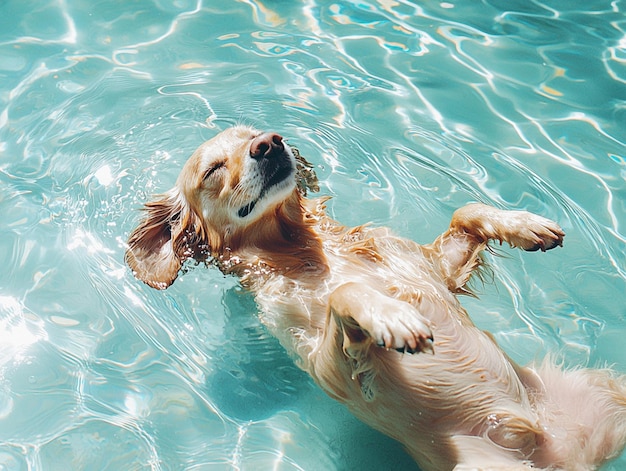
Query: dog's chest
[392,265]
[296,311]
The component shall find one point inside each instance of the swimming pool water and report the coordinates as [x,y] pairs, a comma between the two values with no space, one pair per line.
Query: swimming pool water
[407,109]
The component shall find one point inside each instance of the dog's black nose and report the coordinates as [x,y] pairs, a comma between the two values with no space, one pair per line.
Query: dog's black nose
[267,145]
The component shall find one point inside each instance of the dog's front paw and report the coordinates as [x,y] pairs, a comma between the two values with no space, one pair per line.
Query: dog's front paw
[401,328]
[368,316]
[533,232]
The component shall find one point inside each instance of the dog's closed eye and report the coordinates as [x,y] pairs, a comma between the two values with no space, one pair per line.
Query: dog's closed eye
[214,168]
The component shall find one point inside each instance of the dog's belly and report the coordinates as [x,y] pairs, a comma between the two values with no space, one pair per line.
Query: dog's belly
[466,387]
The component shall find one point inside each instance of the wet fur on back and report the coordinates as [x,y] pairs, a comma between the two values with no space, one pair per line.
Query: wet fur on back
[374,318]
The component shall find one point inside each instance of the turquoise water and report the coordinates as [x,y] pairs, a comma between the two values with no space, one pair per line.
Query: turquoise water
[408,110]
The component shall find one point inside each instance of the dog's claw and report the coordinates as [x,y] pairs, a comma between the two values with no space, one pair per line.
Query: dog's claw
[425,345]
[404,331]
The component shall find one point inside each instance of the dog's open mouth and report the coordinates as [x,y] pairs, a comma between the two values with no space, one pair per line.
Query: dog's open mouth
[278,175]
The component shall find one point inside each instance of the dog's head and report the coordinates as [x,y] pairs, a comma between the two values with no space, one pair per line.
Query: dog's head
[237,189]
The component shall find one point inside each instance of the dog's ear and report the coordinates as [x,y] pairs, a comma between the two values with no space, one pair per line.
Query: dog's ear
[169,234]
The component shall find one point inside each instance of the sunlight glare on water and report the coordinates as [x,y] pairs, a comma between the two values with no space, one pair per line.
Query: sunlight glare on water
[407,110]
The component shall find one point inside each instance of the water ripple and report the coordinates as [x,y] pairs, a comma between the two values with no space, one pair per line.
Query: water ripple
[407,111]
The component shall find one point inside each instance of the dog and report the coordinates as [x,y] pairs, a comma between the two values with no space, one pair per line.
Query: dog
[375,319]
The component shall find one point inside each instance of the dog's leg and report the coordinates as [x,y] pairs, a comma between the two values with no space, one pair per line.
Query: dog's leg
[361,319]
[457,251]
[368,317]
[518,228]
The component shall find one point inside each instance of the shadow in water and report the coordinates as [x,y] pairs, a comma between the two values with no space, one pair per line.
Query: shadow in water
[254,376]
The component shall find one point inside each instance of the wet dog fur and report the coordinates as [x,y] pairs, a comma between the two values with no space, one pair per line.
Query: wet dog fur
[375,319]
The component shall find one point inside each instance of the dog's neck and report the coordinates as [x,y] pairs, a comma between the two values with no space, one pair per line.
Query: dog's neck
[284,244]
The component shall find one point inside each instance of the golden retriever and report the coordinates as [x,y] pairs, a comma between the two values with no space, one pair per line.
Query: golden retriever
[374,318]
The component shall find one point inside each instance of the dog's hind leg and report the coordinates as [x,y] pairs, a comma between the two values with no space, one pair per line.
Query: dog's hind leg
[457,251]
